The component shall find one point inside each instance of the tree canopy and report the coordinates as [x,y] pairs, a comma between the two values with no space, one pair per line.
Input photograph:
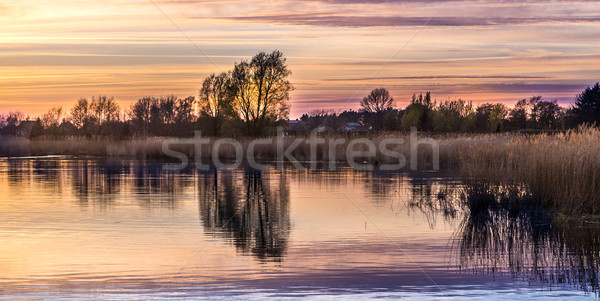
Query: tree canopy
[587,105]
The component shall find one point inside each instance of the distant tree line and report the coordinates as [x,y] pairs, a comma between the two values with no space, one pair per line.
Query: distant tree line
[378,112]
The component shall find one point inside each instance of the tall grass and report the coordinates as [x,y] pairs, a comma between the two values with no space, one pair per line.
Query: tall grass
[561,171]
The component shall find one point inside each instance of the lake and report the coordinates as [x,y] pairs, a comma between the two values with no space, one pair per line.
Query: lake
[129,229]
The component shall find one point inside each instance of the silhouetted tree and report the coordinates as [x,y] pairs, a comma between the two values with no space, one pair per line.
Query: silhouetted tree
[375,106]
[261,91]
[184,110]
[104,109]
[379,100]
[317,118]
[167,109]
[37,129]
[11,122]
[185,116]
[587,105]
[140,114]
[545,114]
[66,128]
[216,96]
[520,115]
[162,115]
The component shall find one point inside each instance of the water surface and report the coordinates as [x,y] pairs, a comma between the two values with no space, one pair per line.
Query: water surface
[127,229]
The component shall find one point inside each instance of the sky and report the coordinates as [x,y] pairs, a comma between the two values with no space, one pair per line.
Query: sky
[55,52]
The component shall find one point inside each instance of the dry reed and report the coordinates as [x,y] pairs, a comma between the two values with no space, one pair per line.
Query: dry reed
[561,170]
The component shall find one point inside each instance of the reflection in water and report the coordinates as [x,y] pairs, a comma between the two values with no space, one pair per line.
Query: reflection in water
[102,181]
[436,198]
[503,238]
[531,246]
[99,181]
[496,237]
[250,209]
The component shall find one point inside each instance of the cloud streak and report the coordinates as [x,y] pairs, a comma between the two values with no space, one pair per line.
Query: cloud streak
[335,20]
[441,77]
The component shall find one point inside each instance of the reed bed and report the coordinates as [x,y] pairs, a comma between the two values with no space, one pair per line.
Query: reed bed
[559,171]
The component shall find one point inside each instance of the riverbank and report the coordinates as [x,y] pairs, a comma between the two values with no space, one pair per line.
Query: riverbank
[559,171]
[388,148]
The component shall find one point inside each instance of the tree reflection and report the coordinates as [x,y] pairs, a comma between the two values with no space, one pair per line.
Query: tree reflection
[99,181]
[250,208]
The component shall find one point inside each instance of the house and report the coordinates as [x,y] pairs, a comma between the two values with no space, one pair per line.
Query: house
[352,127]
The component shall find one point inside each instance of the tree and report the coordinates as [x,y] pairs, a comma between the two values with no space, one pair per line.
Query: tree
[37,129]
[162,115]
[587,105]
[140,114]
[448,116]
[261,91]
[535,113]
[417,114]
[215,99]
[497,115]
[184,110]
[375,105]
[185,116]
[490,117]
[79,113]
[546,114]
[12,121]
[521,115]
[377,101]
[167,109]
[52,117]
[104,109]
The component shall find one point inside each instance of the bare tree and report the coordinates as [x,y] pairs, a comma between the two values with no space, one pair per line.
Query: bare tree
[184,110]
[379,100]
[215,99]
[167,109]
[104,109]
[140,114]
[261,91]
[80,113]
[52,117]
[375,105]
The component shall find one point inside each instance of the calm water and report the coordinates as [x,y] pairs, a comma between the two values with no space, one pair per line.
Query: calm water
[130,230]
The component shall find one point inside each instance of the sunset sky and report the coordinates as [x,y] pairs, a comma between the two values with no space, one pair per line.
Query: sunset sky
[54,52]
